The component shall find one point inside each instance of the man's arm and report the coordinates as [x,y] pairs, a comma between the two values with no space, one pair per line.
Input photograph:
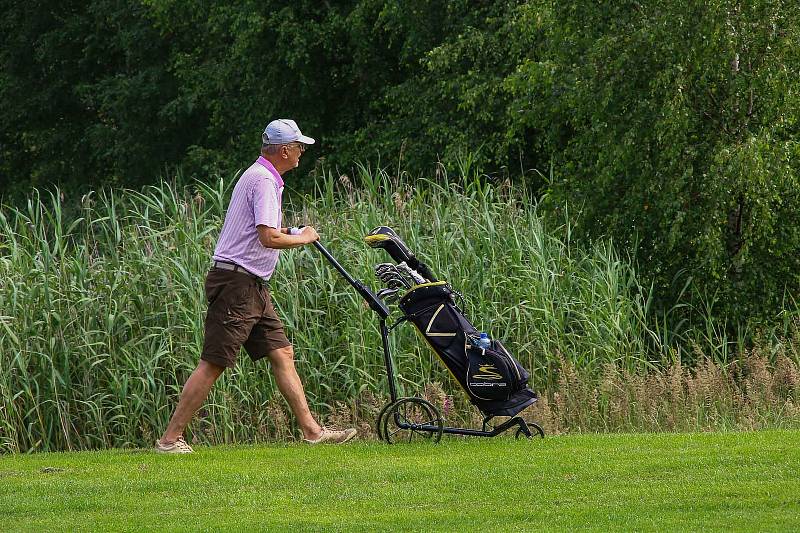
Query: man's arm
[281,239]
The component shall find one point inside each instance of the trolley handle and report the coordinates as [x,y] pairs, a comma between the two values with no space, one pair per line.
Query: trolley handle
[375,303]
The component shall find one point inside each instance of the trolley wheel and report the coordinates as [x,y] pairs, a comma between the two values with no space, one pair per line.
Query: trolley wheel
[412,413]
[379,421]
[537,431]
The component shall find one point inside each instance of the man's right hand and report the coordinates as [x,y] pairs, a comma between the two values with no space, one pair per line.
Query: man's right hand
[310,234]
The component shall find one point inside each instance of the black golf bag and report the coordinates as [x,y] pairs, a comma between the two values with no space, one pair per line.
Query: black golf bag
[494,381]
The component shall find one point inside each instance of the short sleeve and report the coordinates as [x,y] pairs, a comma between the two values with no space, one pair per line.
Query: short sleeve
[266,207]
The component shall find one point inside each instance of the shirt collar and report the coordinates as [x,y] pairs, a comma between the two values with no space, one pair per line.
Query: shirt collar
[266,164]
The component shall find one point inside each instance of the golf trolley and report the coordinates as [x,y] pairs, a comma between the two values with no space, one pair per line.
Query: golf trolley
[492,379]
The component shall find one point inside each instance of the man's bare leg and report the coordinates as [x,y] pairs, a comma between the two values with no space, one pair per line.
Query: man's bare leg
[282,360]
[195,392]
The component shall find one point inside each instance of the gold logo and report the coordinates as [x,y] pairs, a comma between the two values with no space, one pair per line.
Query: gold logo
[487,372]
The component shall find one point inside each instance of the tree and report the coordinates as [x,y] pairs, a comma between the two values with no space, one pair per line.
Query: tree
[674,129]
[84,94]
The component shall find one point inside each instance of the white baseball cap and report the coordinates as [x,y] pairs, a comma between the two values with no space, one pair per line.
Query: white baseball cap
[284,131]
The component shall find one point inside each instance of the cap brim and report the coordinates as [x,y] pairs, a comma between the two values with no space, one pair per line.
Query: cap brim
[306,140]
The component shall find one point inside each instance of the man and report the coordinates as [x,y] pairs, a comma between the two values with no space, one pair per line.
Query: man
[240,311]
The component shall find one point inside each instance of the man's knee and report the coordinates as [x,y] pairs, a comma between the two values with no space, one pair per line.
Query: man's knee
[210,369]
[282,357]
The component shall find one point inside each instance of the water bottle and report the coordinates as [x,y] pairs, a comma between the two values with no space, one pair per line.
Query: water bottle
[483,341]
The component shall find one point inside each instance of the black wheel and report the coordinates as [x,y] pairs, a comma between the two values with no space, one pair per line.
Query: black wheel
[379,421]
[534,430]
[404,419]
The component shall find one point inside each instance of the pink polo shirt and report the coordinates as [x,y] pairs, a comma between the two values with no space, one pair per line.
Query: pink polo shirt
[256,200]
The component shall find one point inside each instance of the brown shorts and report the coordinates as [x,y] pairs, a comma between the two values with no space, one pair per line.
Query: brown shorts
[240,313]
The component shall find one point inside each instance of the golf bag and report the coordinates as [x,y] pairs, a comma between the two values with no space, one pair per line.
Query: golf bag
[494,381]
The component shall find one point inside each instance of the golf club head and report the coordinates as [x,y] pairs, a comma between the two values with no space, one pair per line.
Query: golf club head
[397,282]
[386,271]
[383,267]
[391,277]
[388,295]
[385,237]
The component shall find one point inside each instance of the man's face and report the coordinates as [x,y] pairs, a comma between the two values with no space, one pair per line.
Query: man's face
[294,151]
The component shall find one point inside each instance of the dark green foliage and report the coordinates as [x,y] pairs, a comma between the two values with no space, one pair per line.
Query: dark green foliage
[84,93]
[104,90]
[674,129]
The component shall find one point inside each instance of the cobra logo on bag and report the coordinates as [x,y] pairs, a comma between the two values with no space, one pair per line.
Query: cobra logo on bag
[488,372]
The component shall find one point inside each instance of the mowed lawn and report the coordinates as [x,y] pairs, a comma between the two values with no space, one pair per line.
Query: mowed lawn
[654,482]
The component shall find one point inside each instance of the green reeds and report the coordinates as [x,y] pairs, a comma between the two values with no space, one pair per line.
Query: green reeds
[101,312]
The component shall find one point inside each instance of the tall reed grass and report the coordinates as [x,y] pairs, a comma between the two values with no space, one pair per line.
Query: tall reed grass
[101,308]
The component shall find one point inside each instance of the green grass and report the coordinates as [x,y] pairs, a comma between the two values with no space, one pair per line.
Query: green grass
[657,482]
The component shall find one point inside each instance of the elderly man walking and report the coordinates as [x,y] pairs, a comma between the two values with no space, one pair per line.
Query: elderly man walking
[240,311]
